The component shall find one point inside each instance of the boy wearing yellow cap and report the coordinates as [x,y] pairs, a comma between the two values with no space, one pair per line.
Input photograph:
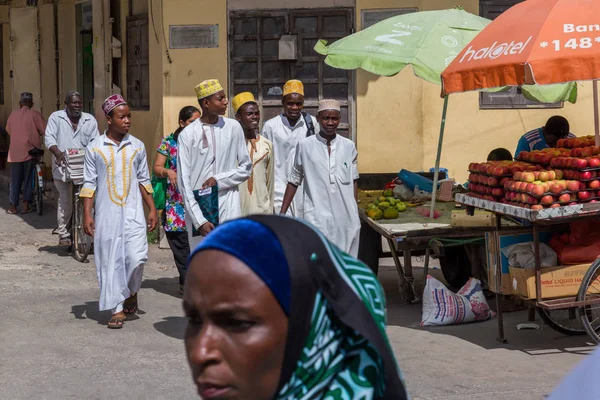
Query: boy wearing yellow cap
[256,193]
[326,164]
[212,152]
[285,131]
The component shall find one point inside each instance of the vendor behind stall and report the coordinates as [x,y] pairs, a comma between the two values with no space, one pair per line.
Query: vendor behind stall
[556,127]
[499,154]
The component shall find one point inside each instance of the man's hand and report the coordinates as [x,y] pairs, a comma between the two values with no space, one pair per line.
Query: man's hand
[210,182]
[206,228]
[152,220]
[88,225]
[172,176]
[60,159]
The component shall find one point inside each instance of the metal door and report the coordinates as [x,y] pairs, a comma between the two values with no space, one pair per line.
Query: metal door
[255,65]
[24,54]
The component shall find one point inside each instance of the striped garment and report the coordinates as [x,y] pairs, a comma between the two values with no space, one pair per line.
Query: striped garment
[534,140]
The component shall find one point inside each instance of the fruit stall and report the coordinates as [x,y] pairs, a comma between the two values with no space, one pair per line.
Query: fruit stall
[405,226]
[549,191]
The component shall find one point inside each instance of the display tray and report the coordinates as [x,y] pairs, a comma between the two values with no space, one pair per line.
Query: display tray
[546,214]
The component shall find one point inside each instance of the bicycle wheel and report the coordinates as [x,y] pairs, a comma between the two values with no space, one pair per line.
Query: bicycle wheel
[590,290]
[39,189]
[82,243]
[564,321]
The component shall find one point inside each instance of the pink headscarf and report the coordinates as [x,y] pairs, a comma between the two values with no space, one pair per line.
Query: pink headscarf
[112,102]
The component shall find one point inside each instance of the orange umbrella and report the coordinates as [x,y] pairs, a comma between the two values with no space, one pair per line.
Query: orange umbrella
[534,42]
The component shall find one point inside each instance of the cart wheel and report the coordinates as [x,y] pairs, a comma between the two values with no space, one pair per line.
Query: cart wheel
[564,321]
[590,290]
[82,243]
[456,266]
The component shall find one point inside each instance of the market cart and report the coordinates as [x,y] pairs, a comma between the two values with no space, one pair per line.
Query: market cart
[411,235]
[583,305]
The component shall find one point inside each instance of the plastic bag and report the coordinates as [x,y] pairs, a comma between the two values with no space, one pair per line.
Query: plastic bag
[403,193]
[442,307]
[421,195]
[521,255]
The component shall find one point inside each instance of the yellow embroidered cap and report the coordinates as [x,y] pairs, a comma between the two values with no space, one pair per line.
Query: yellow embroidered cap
[329,104]
[293,86]
[241,99]
[208,88]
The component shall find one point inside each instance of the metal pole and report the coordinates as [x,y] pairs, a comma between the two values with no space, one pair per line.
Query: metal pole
[438,156]
[596,117]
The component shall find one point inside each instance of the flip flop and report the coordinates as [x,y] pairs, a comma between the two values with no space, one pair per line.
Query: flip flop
[116,321]
[11,212]
[130,306]
[26,211]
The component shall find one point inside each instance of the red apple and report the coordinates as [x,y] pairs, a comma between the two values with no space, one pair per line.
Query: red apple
[547,200]
[585,175]
[538,191]
[564,198]
[492,181]
[556,188]
[573,186]
[582,185]
[497,192]
[593,162]
[584,195]
[537,207]
[558,173]
[528,177]
[581,163]
[555,205]
[587,152]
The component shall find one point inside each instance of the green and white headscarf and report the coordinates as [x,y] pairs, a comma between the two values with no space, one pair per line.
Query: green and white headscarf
[337,347]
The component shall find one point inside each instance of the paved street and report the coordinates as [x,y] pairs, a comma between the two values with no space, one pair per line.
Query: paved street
[55,345]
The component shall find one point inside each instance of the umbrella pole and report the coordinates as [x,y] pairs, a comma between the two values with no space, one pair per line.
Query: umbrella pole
[436,173]
[596,118]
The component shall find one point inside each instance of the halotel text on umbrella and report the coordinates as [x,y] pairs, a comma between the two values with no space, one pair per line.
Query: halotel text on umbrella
[495,50]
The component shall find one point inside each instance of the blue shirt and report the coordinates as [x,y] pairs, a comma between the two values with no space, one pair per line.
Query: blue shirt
[534,140]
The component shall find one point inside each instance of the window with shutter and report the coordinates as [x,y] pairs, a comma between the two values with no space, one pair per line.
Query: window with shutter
[512,98]
[138,65]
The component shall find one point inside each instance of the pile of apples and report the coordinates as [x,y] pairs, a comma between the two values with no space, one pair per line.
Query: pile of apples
[575,162]
[544,156]
[579,142]
[501,168]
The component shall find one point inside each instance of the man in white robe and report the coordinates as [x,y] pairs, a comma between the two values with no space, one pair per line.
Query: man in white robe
[327,165]
[212,152]
[116,175]
[257,193]
[285,131]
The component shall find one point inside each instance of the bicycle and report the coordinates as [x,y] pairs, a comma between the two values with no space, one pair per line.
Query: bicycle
[38,181]
[81,242]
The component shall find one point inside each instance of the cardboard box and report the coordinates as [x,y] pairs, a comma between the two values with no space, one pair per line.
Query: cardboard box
[556,281]
[494,243]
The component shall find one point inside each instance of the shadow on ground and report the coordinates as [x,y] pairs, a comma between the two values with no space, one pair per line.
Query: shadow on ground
[172,326]
[90,310]
[169,286]
[61,251]
[484,334]
[45,221]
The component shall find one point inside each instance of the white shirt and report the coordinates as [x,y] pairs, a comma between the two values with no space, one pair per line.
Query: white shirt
[285,138]
[114,174]
[218,151]
[59,133]
[256,193]
[329,202]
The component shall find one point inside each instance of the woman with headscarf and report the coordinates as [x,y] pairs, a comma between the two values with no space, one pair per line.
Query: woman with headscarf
[276,311]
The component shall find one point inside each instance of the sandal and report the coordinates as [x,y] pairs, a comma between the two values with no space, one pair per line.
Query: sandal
[116,321]
[130,306]
[11,212]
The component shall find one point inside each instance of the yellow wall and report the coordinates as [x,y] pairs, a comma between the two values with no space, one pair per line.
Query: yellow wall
[147,125]
[191,66]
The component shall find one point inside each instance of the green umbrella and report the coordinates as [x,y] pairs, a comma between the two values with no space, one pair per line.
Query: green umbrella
[428,41]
